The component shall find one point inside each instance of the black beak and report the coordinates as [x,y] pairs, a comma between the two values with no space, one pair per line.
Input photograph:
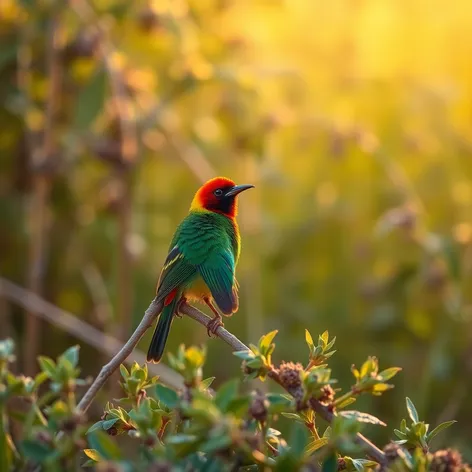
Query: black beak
[238,189]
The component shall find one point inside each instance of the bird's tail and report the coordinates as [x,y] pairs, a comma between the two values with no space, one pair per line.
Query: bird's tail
[159,338]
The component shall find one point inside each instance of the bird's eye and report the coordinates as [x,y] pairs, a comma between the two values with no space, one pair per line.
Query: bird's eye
[218,192]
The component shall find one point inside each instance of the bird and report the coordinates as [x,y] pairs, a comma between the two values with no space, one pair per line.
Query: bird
[201,262]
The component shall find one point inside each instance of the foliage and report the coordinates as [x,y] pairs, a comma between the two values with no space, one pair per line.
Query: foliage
[198,428]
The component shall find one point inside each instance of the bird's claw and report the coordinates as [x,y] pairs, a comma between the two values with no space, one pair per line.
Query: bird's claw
[177,312]
[213,325]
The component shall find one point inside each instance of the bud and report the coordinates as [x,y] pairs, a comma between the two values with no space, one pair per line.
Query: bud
[289,374]
[326,395]
[447,460]
[259,406]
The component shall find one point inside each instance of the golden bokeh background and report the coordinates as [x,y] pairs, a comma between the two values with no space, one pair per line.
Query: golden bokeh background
[352,118]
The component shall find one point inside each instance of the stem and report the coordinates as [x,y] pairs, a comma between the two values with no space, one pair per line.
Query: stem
[108,369]
[342,398]
[162,429]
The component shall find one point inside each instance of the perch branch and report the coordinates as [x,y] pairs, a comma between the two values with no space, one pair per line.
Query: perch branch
[222,333]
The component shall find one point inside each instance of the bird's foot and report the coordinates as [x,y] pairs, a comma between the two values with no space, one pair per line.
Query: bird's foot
[213,325]
[180,305]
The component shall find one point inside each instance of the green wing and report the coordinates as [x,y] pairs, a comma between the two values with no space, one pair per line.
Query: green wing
[218,273]
[177,270]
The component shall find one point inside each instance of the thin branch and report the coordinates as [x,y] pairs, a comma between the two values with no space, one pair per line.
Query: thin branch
[222,333]
[81,330]
[107,370]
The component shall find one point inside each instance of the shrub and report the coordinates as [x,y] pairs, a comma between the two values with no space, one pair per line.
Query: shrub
[198,428]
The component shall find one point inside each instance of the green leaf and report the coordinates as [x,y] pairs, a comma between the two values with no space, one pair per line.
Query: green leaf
[244,355]
[440,428]
[217,443]
[278,402]
[72,355]
[324,338]
[293,416]
[399,434]
[330,464]
[167,396]
[387,374]
[124,371]
[205,384]
[412,410]
[266,340]
[90,100]
[226,393]
[362,464]
[105,446]
[361,417]
[47,365]
[315,445]
[346,402]
[93,454]
[182,439]
[37,452]
[309,340]
[298,439]
[107,424]
[95,426]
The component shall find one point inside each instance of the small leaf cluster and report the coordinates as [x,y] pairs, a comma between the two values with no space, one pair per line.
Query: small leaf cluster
[304,427]
[257,361]
[417,434]
[45,407]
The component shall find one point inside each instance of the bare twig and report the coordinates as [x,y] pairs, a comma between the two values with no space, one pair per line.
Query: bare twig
[107,370]
[81,330]
[222,333]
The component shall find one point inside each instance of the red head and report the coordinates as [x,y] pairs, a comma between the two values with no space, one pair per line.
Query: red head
[219,195]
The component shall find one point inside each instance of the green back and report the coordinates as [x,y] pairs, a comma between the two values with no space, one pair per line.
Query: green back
[205,244]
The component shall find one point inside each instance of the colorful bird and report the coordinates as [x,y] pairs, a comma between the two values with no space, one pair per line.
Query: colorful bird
[202,259]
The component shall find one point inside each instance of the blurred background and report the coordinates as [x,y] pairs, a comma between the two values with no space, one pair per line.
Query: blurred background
[353,118]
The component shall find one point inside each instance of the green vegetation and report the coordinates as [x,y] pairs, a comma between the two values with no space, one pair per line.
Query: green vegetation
[153,427]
